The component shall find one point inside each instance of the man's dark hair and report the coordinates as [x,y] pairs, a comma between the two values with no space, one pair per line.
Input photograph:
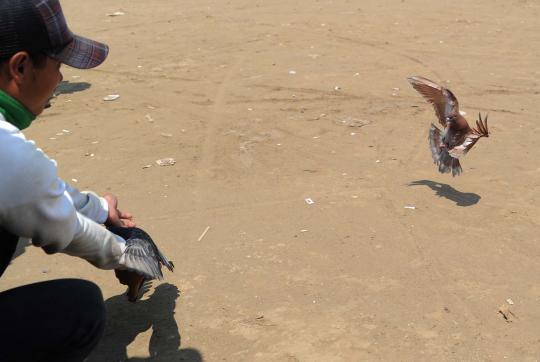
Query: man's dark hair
[38,59]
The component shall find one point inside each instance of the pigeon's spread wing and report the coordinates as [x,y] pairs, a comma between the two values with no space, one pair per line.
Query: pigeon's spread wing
[462,149]
[141,257]
[163,259]
[142,254]
[481,129]
[443,100]
[139,233]
[434,142]
[472,137]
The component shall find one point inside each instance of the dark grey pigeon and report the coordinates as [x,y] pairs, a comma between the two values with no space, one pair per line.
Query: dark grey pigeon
[457,137]
[142,254]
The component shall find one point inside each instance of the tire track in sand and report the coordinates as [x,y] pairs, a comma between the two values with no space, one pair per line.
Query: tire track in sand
[208,147]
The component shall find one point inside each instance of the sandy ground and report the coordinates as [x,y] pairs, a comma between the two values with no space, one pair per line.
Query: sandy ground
[266,103]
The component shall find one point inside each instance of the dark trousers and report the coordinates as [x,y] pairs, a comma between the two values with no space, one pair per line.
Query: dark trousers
[58,320]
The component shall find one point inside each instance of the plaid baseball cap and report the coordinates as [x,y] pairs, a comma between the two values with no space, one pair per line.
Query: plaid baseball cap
[39,26]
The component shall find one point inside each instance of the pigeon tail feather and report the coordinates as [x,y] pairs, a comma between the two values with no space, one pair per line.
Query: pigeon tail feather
[448,164]
[456,167]
[168,264]
[441,157]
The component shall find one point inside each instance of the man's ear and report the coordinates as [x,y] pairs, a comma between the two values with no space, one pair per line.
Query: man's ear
[18,66]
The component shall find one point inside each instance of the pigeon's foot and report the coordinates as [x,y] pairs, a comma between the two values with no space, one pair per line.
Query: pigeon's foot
[134,289]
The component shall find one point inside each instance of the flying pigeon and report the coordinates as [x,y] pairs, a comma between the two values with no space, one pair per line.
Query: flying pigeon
[457,138]
[141,256]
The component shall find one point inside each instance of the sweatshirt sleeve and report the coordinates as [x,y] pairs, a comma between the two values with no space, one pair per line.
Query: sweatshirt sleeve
[96,244]
[35,203]
[89,204]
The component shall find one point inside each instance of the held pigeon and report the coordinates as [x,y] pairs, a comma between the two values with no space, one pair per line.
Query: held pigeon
[457,137]
[142,254]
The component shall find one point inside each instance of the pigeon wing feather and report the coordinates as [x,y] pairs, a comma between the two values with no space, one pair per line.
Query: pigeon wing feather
[472,137]
[444,102]
[140,256]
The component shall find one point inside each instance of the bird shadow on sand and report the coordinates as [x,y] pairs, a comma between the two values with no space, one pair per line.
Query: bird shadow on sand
[450,193]
[67,87]
[125,321]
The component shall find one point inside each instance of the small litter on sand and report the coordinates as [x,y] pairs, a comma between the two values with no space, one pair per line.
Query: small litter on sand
[309,201]
[146,166]
[351,122]
[204,233]
[169,161]
[111,97]
[116,13]
[510,301]
[410,207]
[507,314]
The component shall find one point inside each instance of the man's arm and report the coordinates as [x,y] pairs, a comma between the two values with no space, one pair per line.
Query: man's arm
[103,210]
[35,203]
[89,204]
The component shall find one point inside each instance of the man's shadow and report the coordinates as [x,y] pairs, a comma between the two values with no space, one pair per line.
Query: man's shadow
[447,191]
[126,320]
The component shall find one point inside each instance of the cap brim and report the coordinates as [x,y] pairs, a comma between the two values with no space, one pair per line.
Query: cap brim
[81,53]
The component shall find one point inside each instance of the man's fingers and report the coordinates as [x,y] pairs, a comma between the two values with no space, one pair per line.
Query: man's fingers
[127,223]
[125,215]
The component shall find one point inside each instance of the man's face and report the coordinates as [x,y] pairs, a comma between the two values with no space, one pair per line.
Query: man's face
[40,85]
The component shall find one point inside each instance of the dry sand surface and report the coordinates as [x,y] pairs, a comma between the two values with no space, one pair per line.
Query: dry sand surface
[266,103]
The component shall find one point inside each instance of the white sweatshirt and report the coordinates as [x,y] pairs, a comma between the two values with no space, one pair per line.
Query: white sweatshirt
[36,204]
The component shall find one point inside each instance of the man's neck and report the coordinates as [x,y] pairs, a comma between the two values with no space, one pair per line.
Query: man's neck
[14,111]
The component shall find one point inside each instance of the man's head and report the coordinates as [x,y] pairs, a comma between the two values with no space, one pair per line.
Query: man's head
[34,42]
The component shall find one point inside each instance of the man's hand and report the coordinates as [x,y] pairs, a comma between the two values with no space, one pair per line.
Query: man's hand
[133,280]
[117,217]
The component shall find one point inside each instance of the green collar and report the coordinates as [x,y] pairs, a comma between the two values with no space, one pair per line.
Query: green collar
[14,112]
